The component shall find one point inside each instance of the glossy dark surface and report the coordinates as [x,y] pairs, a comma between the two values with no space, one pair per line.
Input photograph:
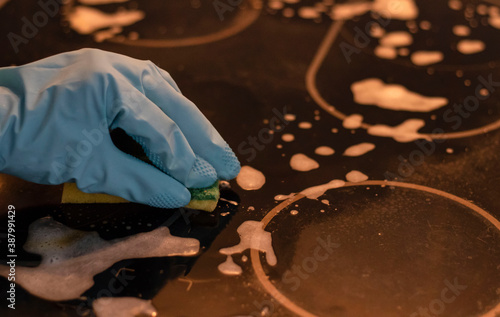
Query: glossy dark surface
[396,249]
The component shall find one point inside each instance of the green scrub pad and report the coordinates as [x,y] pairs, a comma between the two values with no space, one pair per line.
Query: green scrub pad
[204,198]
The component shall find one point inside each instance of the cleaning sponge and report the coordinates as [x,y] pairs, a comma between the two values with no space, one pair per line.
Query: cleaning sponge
[204,198]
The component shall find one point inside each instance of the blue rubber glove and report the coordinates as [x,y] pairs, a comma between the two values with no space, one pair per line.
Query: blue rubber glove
[56,114]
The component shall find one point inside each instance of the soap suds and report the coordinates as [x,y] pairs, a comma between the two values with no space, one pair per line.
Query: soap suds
[392,9]
[308,13]
[359,149]
[324,151]
[287,137]
[250,179]
[405,132]
[461,30]
[71,258]
[305,125]
[385,52]
[303,163]
[396,39]
[396,9]
[424,58]
[99,2]
[455,4]
[355,176]
[86,20]
[373,91]
[123,307]
[353,121]
[350,10]
[376,31]
[252,236]
[316,191]
[468,47]
[229,267]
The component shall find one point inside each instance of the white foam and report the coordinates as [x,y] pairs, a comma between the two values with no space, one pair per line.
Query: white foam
[303,163]
[123,307]
[288,137]
[494,18]
[71,258]
[376,31]
[470,46]
[424,58]
[348,11]
[99,2]
[324,151]
[461,30]
[385,52]
[275,5]
[392,9]
[359,149]
[229,267]
[405,132]
[253,236]
[305,125]
[284,197]
[353,121]
[308,13]
[373,91]
[250,179]
[355,176]
[86,20]
[103,35]
[455,4]
[396,9]
[397,39]
[316,191]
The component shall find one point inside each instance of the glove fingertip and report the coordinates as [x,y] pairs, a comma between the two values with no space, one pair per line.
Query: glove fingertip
[170,200]
[231,165]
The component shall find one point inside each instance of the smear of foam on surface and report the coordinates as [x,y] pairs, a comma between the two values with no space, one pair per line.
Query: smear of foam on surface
[396,9]
[393,9]
[287,137]
[308,13]
[324,151]
[359,149]
[86,20]
[250,179]
[385,52]
[305,125]
[373,91]
[353,121]
[468,47]
[355,176]
[228,267]
[405,132]
[303,163]
[99,2]
[316,191]
[252,236]
[348,11]
[397,39]
[461,30]
[123,307]
[424,58]
[71,258]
